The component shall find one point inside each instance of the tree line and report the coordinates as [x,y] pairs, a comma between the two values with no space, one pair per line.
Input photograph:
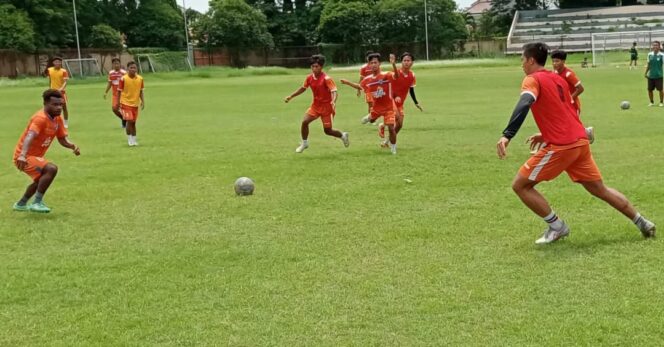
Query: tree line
[28,25]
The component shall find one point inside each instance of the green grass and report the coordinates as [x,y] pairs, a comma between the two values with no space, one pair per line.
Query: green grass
[150,246]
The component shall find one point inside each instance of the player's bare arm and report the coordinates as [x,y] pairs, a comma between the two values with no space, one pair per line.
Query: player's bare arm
[142,100]
[64,142]
[393,61]
[117,105]
[351,84]
[535,141]
[334,100]
[578,90]
[21,161]
[518,117]
[108,87]
[296,93]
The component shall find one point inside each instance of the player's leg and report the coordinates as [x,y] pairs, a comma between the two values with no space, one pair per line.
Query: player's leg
[651,87]
[399,120]
[48,175]
[326,119]
[618,201]
[390,122]
[22,204]
[115,107]
[659,84]
[531,197]
[304,132]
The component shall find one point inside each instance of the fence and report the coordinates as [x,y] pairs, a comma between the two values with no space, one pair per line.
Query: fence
[14,63]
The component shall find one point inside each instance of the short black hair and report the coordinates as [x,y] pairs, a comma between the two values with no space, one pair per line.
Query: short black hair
[367,54]
[56,58]
[407,54]
[51,93]
[538,50]
[657,42]
[634,43]
[115,59]
[559,54]
[317,59]
[373,56]
[131,63]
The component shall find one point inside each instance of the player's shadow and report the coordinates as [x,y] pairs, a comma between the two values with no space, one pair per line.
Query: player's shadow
[572,248]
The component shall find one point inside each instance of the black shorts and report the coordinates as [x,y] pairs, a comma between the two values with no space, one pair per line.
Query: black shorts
[655,83]
[634,57]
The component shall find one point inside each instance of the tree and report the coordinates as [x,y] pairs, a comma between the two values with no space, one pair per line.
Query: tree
[157,23]
[347,22]
[16,30]
[234,24]
[104,36]
[53,21]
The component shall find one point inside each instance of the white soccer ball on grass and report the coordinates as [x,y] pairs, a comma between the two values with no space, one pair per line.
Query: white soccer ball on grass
[244,186]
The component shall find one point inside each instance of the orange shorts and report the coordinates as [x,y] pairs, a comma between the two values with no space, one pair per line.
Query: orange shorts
[552,160]
[129,113]
[64,97]
[324,112]
[35,166]
[389,117]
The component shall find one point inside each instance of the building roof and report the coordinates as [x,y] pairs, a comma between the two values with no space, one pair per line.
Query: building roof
[479,6]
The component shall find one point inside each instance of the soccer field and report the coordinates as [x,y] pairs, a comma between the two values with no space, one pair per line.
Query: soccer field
[338,246]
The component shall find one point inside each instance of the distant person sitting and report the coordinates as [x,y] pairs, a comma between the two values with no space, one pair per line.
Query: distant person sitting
[584,63]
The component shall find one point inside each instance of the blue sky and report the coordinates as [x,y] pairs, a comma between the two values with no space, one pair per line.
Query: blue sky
[202,5]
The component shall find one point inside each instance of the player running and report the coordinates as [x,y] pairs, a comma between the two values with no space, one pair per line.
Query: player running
[44,125]
[403,84]
[654,73]
[114,77]
[365,71]
[324,91]
[379,86]
[567,148]
[58,78]
[130,95]
[558,58]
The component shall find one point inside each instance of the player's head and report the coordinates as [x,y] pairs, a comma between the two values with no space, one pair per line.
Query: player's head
[116,63]
[132,68]
[656,46]
[407,60]
[634,44]
[534,57]
[57,62]
[374,61]
[558,58]
[367,54]
[53,102]
[317,61]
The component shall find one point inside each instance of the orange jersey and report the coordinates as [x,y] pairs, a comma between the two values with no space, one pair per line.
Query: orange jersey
[553,110]
[380,89]
[365,71]
[46,129]
[401,86]
[57,77]
[114,77]
[572,82]
[131,90]
[321,87]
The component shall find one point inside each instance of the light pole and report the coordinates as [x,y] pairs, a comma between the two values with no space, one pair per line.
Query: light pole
[186,31]
[78,43]
[426,28]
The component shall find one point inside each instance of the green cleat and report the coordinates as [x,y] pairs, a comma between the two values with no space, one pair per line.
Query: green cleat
[39,207]
[20,208]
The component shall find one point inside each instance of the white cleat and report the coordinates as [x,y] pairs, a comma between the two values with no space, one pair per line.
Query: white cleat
[661,105]
[365,119]
[552,235]
[651,104]
[344,138]
[647,229]
[590,132]
[301,148]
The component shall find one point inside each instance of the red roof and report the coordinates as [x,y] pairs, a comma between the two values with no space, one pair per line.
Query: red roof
[479,6]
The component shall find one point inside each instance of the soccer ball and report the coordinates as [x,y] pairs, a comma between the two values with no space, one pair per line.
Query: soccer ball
[244,186]
[624,105]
